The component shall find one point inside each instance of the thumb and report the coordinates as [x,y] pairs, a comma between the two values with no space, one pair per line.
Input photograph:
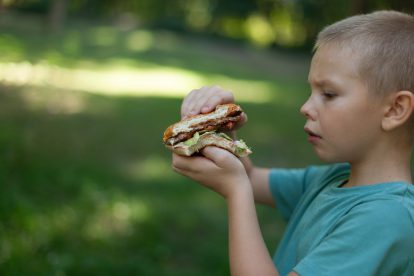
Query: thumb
[242,121]
[243,118]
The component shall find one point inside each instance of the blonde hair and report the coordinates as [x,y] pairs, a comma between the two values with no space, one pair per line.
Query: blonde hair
[384,43]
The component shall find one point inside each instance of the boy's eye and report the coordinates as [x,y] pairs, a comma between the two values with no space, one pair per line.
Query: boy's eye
[329,95]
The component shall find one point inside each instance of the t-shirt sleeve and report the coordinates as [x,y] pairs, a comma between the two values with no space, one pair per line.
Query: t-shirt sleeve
[372,239]
[288,186]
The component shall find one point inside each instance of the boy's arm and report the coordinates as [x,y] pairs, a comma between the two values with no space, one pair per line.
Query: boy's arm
[259,179]
[248,252]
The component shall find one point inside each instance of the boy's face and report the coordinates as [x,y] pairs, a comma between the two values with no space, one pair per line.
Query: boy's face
[343,119]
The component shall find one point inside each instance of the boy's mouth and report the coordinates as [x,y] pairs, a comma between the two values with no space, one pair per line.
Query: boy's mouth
[312,136]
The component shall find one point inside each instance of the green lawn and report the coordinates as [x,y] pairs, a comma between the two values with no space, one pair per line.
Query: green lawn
[85,182]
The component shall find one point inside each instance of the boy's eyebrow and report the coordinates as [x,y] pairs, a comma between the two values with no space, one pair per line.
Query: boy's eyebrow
[321,82]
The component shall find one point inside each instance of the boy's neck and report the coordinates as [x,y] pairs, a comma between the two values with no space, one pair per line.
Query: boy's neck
[390,167]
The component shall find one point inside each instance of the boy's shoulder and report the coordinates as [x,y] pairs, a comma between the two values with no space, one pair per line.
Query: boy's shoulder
[383,204]
[380,229]
[391,217]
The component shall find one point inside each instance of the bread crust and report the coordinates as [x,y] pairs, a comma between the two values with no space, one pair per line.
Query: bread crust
[221,111]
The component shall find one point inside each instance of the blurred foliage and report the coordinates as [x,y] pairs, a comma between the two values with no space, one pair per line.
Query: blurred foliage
[266,23]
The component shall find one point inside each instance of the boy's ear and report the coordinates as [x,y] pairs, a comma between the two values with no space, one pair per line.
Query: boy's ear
[399,109]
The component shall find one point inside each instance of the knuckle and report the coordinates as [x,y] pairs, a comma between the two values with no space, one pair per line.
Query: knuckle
[220,98]
[217,97]
[222,158]
[193,92]
[205,88]
[228,95]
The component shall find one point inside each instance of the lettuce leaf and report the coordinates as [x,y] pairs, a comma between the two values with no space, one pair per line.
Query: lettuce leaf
[192,141]
[241,146]
[225,136]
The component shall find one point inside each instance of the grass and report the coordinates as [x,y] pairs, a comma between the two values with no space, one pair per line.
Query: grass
[86,185]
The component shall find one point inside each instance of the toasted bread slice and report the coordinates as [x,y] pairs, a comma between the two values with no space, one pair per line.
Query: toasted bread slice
[191,123]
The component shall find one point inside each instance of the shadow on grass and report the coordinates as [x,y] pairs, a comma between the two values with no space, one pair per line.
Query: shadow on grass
[87,188]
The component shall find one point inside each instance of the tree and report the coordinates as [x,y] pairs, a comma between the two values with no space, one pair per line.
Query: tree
[57,14]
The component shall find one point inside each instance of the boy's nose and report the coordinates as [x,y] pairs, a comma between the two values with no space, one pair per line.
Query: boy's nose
[306,110]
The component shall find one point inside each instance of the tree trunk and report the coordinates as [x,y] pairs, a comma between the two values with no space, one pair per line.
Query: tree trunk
[57,15]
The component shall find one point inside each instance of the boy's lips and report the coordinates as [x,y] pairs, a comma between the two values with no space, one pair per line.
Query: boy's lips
[312,136]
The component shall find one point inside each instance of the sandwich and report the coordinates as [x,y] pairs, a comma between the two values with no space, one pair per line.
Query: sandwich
[189,136]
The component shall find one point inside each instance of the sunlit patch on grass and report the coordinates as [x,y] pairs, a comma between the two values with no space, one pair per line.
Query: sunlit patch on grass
[119,81]
[250,91]
[152,167]
[116,219]
[139,41]
[53,103]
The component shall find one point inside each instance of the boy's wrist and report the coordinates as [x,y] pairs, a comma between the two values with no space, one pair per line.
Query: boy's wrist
[242,189]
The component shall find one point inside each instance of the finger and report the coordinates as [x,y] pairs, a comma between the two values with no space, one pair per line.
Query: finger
[181,162]
[219,96]
[243,118]
[191,164]
[181,171]
[218,156]
[185,106]
[188,102]
[201,99]
[191,104]
[242,121]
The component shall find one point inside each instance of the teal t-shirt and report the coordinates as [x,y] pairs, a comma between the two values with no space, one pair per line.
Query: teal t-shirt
[366,230]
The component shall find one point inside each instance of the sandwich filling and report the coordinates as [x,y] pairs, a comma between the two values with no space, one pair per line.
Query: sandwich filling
[220,124]
[240,145]
[192,134]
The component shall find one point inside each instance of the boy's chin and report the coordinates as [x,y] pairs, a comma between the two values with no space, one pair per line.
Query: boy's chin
[329,158]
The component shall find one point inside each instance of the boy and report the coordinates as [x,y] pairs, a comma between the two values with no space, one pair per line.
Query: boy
[355,216]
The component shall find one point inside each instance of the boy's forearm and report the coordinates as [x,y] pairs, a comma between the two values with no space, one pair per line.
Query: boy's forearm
[248,252]
[259,182]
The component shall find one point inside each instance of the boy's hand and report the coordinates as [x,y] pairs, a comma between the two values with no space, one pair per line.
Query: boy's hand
[217,169]
[205,100]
